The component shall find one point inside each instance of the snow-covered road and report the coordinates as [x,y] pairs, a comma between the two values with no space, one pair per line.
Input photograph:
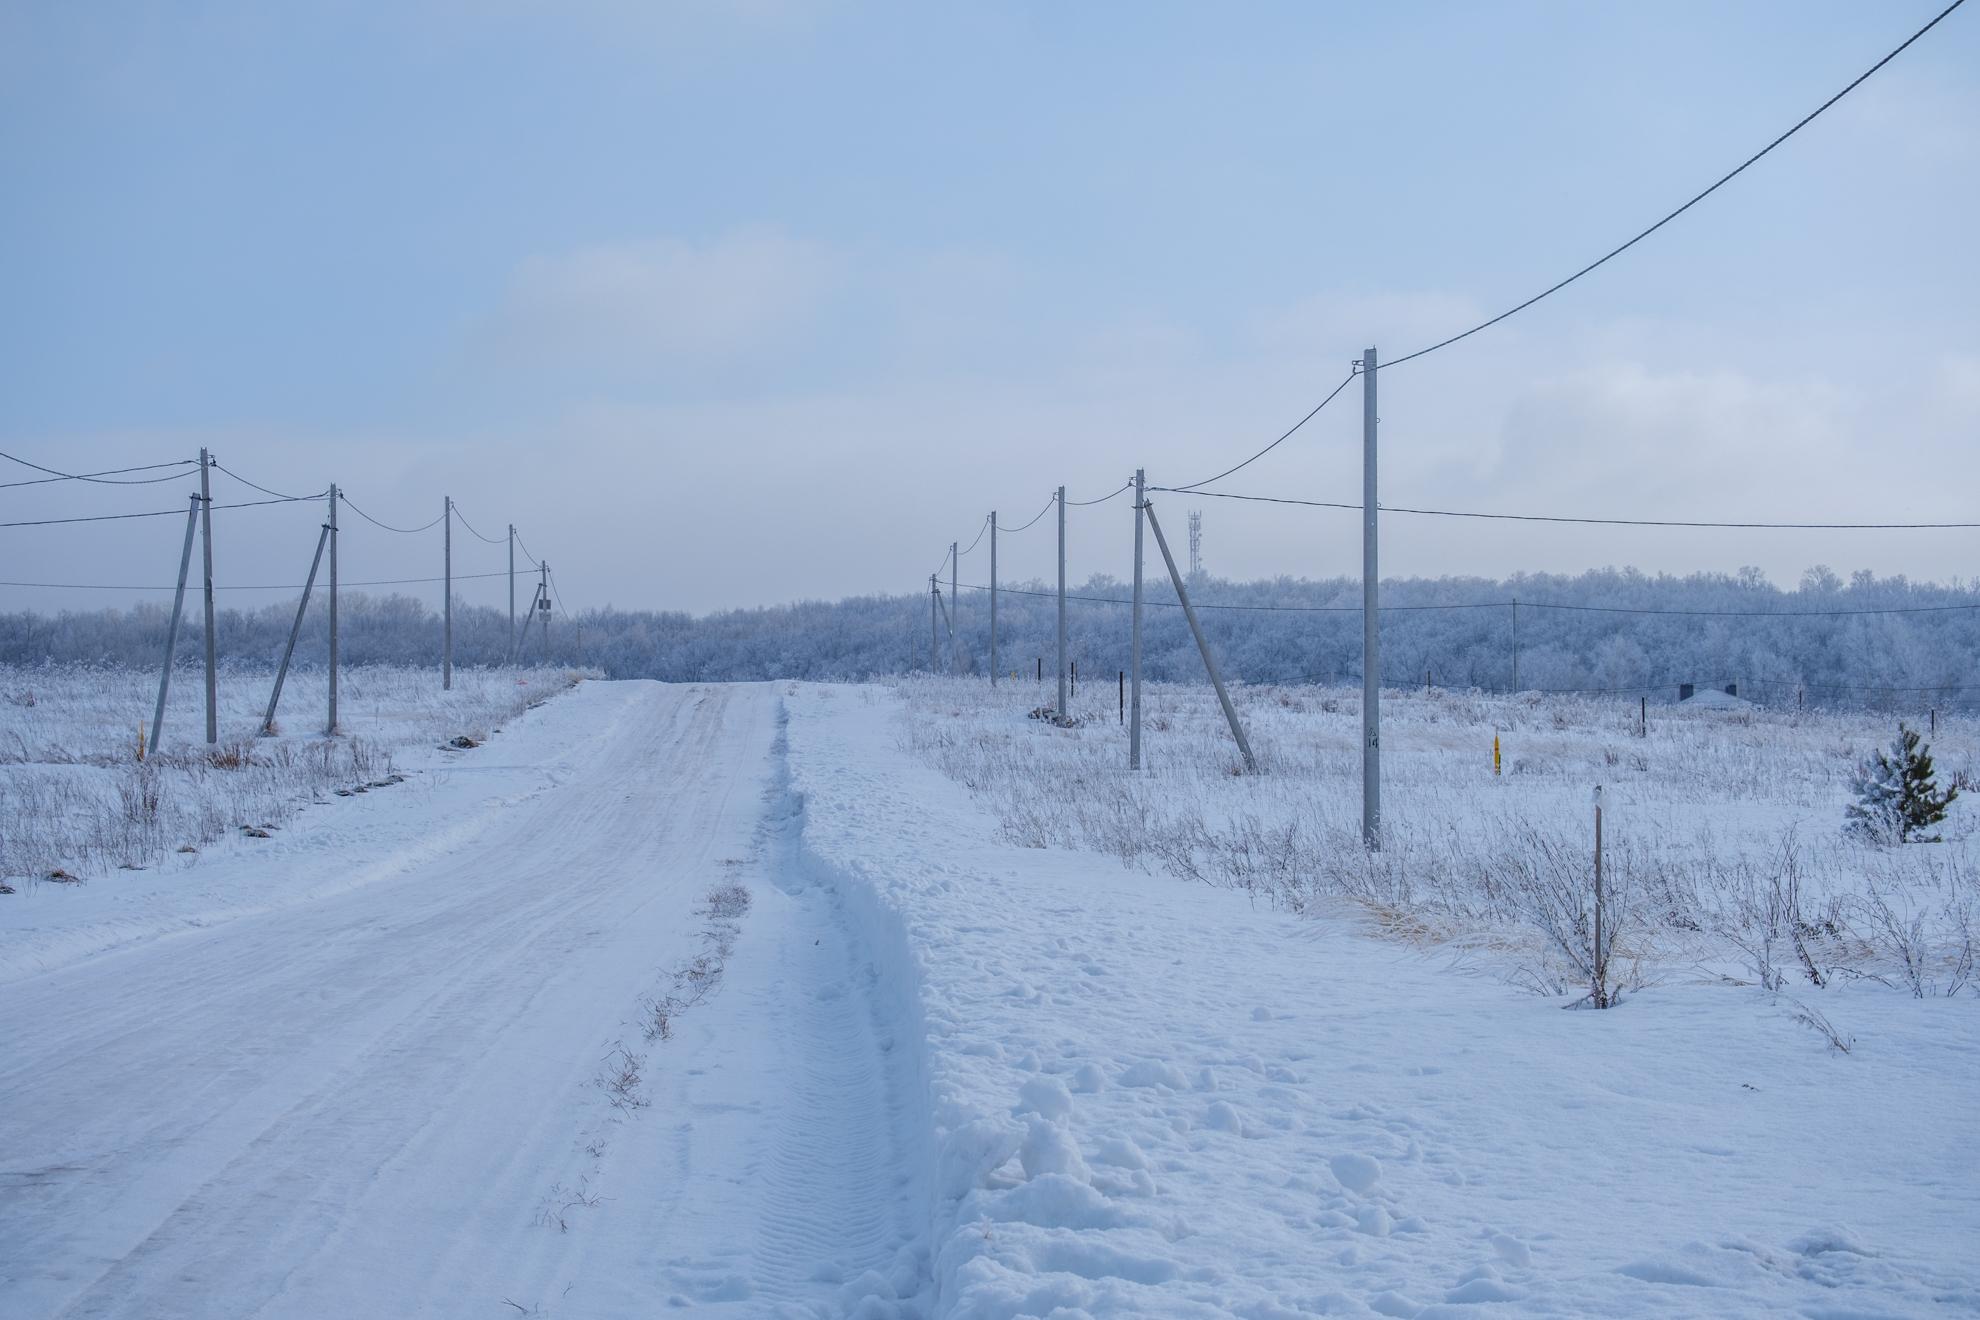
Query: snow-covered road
[385,1101]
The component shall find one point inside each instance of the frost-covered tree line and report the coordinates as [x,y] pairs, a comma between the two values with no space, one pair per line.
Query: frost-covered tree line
[1456,631]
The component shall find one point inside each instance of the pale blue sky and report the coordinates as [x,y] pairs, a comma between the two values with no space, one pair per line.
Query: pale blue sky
[738,304]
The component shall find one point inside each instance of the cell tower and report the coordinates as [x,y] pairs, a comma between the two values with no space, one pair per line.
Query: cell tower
[1196,543]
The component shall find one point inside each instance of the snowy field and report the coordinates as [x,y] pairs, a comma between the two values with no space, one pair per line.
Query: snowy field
[769,1001]
[1724,852]
[78,804]
[1158,1097]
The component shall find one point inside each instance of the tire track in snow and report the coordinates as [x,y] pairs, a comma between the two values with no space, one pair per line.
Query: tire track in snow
[795,1153]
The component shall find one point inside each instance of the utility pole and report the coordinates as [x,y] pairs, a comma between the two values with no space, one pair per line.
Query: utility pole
[934,626]
[512,592]
[955,607]
[1515,640]
[331,728]
[206,536]
[1134,646]
[178,607]
[543,606]
[1371,627]
[1060,500]
[993,598]
[447,610]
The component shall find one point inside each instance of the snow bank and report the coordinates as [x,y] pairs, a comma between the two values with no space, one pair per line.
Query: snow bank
[1148,1098]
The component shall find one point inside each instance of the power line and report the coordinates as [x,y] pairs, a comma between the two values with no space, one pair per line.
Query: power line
[1503,604]
[1276,443]
[1746,614]
[1861,687]
[156,513]
[1722,182]
[1125,486]
[1041,513]
[557,594]
[263,489]
[1270,609]
[100,478]
[534,562]
[979,536]
[1602,522]
[492,540]
[257,586]
[403,531]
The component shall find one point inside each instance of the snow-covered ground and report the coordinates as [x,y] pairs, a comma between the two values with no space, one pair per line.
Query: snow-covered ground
[123,832]
[1724,849]
[504,1040]
[1149,1097]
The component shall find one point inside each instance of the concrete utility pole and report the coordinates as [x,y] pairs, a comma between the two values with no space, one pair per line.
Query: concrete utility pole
[543,587]
[1371,625]
[1515,640]
[206,536]
[447,608]
[178,607]
[1134,646]
[1202,643]
[331,728]
[512,592]
[993,598]
[1060,500]
[955,605]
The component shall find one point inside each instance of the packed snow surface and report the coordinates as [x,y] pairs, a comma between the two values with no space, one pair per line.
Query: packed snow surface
[494,1043]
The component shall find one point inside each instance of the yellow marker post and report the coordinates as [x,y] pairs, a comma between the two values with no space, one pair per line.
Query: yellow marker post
[140,740]
[1495,753]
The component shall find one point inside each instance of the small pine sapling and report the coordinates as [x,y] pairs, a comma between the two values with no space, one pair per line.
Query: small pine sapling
[1898,797]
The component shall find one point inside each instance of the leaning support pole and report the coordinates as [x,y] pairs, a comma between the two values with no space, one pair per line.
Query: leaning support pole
[948,619]
[515,657]
[172,629]
[1134,647]
[1202,645]
[295,631]
[1371,621]
[934,626]
[955,605]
